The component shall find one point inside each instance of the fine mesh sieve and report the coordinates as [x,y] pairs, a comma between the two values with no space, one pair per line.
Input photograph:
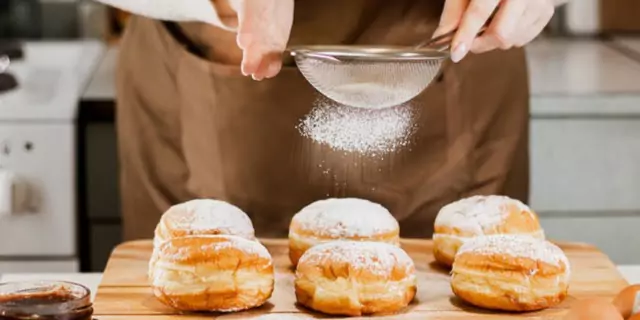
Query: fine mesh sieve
[372,76]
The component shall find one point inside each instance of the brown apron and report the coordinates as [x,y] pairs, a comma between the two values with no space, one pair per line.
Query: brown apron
[191,126]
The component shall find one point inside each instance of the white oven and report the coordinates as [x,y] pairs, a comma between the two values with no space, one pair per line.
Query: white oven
[38,219]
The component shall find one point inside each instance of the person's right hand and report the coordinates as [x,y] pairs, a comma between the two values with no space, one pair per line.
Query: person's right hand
[264,27]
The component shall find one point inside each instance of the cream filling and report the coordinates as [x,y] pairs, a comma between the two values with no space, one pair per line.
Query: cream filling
[180,280]
[354,292]
[490,284]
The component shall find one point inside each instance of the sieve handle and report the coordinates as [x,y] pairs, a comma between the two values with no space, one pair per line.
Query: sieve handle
[443,42]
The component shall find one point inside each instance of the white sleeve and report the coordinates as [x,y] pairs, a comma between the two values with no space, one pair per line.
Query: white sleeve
[172,10]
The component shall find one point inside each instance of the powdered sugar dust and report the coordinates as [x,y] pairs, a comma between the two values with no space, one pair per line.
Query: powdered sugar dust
[369,132]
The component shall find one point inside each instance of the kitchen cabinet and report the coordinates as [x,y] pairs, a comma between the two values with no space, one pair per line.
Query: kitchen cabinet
[620,16]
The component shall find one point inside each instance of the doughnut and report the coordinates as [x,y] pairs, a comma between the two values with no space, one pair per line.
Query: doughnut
[355,278]
[340,219]
[203,217]
[510,273]
[219,273]
[480,215]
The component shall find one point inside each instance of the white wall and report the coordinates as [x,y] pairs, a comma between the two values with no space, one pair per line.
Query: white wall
[583,16]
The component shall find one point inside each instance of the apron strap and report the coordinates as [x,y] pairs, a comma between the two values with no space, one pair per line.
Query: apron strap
[175,31]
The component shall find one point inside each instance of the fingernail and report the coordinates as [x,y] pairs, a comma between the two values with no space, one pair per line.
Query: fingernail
[459,52]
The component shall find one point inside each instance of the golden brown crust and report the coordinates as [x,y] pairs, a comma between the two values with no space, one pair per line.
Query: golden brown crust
[508,301]
[507,282]
[499,262]
[203,217]
[333,279]
[383,236]
[516,219]
[442,257]
[211,273]
[296,250]
[450,233]
[445,248]
[340,219]
[227,252]
[301,240]
[230,301]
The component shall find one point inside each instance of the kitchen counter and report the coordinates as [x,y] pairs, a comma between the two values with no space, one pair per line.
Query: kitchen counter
[92,280]
[52,76]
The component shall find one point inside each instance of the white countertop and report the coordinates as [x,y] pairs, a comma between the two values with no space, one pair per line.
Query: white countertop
[632,43]
[91,280]
[51,79]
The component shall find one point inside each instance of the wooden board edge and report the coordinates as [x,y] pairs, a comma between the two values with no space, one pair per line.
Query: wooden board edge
[131,243]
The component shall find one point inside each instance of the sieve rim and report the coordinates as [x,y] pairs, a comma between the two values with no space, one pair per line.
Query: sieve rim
[370,53]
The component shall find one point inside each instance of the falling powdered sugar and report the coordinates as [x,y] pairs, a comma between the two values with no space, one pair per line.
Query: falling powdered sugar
[376,257]
[346,218]
[517,246]
[365,131]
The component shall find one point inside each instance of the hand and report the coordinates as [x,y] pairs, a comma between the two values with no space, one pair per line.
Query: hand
[516,23]
[264,27]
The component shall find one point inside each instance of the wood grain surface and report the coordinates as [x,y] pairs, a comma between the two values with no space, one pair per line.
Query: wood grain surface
[125,293]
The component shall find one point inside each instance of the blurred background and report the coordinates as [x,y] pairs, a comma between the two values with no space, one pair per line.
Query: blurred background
[58,144]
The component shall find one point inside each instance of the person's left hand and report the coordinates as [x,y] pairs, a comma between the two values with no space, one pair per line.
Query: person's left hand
[515,23]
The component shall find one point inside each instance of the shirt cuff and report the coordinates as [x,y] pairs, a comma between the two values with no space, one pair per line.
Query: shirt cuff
[173,10]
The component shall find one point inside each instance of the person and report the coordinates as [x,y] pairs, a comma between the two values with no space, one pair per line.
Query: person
[207,107]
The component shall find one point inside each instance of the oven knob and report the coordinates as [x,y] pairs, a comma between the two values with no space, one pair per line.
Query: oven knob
[7,179]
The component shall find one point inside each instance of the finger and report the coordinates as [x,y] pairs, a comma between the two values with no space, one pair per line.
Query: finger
[532,26]
[530,32]
[244,37]
[502,30]
[251,60]
[451,16]
[476,15]
[274,68]
[487,43]
[269,67]
[259,74]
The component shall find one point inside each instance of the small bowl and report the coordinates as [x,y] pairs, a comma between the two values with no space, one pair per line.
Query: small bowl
[45,300]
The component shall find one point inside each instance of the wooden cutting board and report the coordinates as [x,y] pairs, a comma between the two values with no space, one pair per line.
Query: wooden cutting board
[125,293]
